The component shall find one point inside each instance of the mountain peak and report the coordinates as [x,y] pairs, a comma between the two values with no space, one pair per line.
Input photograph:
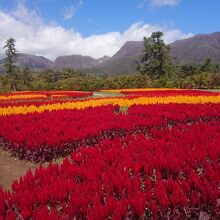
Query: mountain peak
[196,49]
[78,61]
[103,59]
[129,49]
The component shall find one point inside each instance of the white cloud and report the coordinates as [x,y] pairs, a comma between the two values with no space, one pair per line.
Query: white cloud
[158,3]
[141,4]
[35,36]
[69,12]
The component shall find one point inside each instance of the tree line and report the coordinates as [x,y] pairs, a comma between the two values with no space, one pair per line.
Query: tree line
[155,69]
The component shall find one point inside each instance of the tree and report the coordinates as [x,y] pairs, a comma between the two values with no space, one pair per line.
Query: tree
[49,76]
[26,78]
[156,61]
[207,66]
[188,70]
[12,76]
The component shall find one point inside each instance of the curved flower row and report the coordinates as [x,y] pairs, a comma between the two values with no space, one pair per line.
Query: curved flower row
[48,93]
[22,96]
[33,102]
[151,92]
[139,90]
[163,93]
[40,137]
[28,95]
[83,104]
[171,173]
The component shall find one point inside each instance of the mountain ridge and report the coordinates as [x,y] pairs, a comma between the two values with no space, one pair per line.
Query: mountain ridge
[194,49]
[34,62]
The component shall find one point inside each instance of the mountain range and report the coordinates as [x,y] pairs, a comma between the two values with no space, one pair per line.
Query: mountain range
[195,49]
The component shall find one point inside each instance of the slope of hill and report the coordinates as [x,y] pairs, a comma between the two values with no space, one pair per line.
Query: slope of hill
[75,61]
[196,49]
[35,63]
[122,62]
[115,67]
[191,50]
[78,61]
[129,49]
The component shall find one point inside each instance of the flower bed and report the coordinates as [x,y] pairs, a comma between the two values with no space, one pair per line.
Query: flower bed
[42,95]
[40,137]
[163,93]
[147,155]
[171,173]
[126,101]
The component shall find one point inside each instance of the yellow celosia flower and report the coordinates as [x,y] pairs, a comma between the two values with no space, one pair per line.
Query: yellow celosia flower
[22,97]
[82,104]
[137,90]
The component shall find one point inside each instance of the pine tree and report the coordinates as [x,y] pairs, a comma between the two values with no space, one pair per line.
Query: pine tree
[156,62]
[207,66]
[26,77]
[11,73]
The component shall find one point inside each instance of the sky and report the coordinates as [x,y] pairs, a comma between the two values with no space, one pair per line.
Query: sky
[53,28]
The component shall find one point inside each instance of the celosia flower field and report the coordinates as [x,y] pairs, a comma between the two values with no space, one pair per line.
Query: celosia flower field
[41,95]
[151,154]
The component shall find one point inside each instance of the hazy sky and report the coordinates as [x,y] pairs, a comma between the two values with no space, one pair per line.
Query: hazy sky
[100,27]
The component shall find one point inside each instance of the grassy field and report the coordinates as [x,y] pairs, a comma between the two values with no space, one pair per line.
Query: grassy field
[214,90]
[106,94]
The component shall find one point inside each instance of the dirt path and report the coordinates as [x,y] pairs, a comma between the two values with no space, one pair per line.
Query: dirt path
[12,168]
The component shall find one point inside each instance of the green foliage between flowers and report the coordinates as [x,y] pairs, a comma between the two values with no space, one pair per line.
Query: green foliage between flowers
[28,80]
